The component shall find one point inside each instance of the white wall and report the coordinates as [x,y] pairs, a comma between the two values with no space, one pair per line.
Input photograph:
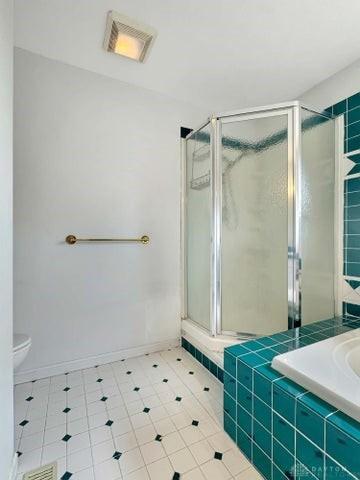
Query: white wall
[337,87]
[94,157]
[6,370]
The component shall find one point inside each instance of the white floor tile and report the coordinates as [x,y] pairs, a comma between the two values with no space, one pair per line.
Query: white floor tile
[108,470]
[152,451]
[174,404]
[131,461]
[215,470]
[172,443]
[182,461]
[79,460]
[161,470]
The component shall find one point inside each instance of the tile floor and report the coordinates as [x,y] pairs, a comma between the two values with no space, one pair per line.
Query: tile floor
[154,417]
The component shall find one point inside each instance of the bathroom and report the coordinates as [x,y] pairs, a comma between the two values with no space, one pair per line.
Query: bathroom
[180,240]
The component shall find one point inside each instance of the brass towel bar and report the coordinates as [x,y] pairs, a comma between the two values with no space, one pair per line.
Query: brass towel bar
[71,240]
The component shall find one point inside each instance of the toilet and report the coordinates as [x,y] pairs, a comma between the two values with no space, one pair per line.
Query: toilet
[21,347]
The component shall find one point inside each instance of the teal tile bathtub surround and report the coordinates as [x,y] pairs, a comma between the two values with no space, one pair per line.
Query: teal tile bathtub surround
[217,371]
[284,430]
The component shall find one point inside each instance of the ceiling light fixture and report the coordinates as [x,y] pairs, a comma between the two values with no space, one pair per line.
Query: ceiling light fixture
[127,37]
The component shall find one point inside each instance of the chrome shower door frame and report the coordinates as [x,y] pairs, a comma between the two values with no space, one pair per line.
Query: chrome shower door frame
[294,162]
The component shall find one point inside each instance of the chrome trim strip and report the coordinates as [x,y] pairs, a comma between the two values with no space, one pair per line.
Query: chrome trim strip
[183,229]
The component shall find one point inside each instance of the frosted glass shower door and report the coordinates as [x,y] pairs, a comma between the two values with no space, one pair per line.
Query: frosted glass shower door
[198,226]
[255,195]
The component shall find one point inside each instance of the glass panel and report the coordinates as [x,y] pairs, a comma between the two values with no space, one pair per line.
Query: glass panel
[255,225]
[198,207]
[317,217]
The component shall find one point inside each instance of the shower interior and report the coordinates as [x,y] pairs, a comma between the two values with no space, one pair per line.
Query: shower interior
[260,207]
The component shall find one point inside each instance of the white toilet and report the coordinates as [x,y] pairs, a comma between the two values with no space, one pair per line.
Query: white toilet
[21,347]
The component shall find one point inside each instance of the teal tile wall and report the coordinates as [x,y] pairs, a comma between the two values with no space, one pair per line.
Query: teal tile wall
[350,108]
[213,368]
[284,430]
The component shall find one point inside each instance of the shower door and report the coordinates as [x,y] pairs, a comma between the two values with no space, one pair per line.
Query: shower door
[257,234]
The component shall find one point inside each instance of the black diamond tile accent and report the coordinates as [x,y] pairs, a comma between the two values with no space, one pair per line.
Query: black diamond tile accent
[178,359]
[33,381]
[66,389]
[109,423]
[66,410]
[66,438]
[23,423]
[165,380]
[67,373]
[191,373]
[195,423]
[18,453]
[99,380]
[136,389]
[155,366]
[29,399]
[218,456]
[158,438]
[123,359]
[96,366]
[103,399]
[176,476]
[128,373]
[206,389]
[66,476]
[117,455]
[146,410]
[178,399]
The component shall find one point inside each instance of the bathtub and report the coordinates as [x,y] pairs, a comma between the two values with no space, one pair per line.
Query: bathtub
[330,369]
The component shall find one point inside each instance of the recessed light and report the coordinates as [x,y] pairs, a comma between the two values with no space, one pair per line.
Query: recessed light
[127,37]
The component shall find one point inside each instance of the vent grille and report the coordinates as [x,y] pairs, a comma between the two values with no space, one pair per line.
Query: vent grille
[118,25]
[47,472]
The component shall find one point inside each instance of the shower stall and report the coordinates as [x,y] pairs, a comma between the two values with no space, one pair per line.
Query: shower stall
[261,202]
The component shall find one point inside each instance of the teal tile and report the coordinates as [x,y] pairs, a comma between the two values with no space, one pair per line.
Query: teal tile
[284,433]
[230,363]
[206,362]
[283,460]
[353,129]
[345,423]
[267,341]
[316,404]
[243,441]
[268,354]
[237,350]
[198,355]
[284,404]
[230,385]
[262,388]
[310,424]
[268,372]
[343,448]
[213,368]
[262,462]
[220,375]
[244,397]
[310,456]
[334,471]
[244,420]
[245,366]
[262,438]
[354,101]
[230,426]
[262,413]
[253,345]
[279,337]
[290,387]
[353,115]
[339,108]
[352,185]
[302,473]
[230,406]
[352,228]
[353,144]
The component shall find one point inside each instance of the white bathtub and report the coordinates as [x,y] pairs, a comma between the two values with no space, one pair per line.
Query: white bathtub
[329,369]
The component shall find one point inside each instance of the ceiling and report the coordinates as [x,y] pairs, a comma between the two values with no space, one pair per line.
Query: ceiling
[217,54]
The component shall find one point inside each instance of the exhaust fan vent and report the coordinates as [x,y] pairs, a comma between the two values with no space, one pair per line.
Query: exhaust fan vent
[127,37]
[47,472]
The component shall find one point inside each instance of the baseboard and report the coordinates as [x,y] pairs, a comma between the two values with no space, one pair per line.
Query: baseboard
[79,364]
[14,467]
